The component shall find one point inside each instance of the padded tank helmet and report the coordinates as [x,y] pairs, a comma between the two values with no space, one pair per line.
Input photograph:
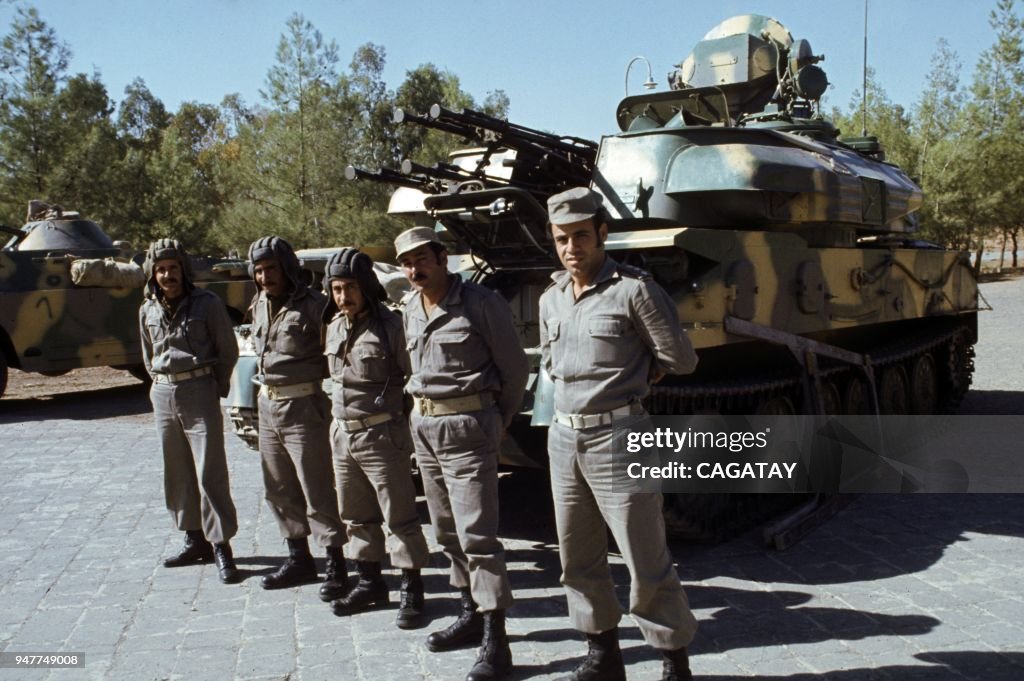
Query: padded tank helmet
[276,247]
[164,249]
[351,263]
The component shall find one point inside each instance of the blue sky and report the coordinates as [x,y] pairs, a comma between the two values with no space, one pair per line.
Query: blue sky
[561,63]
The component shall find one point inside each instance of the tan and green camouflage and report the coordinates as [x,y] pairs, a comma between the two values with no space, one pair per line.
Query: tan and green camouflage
[50,325]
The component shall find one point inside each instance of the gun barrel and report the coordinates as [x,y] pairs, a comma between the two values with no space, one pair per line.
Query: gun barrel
[586,149]
[402,116]
[389,176]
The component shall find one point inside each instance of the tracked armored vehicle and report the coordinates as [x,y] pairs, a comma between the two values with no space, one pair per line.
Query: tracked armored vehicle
[70,296]
[789,250]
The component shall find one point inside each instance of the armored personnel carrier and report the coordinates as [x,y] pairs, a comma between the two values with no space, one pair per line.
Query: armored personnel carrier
[70,296]
[789,250]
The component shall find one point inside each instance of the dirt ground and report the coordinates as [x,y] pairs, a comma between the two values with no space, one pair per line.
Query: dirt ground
[23,386]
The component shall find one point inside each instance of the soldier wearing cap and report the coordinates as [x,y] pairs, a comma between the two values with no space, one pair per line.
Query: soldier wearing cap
[370,437]
[287,323]
[189,348]
[607,332]
[468,377]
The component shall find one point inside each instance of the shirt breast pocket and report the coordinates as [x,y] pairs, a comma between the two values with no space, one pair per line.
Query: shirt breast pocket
[456,349]
[156,331]
[611,340]
[371,362]
[198,332]
[291,337]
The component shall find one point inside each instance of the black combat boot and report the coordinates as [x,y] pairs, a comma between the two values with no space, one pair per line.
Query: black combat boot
[369,592]
[675,665]
[335,576]
[410,607]
[603,661]
[467,630]
[495,659]
[195,551]
[297,569]
[226,563]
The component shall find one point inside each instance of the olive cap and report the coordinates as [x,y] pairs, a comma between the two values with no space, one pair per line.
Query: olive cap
[574,205]
[413,238]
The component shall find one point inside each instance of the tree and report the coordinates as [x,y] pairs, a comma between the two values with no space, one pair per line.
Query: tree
[33,66]
[188,198]
[992,121]
[285,151]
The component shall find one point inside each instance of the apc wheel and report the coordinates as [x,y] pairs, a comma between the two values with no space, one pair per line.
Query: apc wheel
[893,395]
[779,405]
[924,385]
[3,374]
[857,397]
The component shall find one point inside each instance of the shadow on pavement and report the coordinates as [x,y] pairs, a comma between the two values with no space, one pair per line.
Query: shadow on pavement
[124,400]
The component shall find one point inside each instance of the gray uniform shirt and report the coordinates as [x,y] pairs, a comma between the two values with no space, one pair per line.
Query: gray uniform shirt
[198,333]
[367,360]
[594,346]
[289,343]
[468,345]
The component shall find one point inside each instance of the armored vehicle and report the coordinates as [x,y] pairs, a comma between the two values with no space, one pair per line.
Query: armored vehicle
[789,250]
[70,296]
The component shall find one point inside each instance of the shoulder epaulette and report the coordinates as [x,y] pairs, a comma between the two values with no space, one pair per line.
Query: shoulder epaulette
[634,272]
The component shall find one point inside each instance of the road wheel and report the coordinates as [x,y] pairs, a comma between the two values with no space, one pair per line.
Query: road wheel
[924,385]
[779,405]
[3,373]
[893,395]
[831,399]
[856,397]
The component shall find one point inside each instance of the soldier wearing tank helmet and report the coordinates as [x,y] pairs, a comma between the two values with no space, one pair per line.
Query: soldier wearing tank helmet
[608,331]
[294,416]
[189,348]
[469,373]
[370,438]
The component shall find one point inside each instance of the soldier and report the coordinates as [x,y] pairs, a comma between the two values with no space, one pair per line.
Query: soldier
[294,417]
[370,437]
[607,332]
[189,348]
[468,377]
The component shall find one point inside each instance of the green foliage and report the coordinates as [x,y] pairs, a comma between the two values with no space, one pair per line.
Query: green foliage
[220,176]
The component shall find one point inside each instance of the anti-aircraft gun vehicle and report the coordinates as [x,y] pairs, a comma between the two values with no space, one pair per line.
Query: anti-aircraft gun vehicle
[789,250]
[70,296]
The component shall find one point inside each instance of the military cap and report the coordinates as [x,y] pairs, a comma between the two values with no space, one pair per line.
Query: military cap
[574,205]
[414,238]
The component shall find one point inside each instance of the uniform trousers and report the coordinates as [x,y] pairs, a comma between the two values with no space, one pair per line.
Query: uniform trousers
[586,499]
[191,429]
[295,451]
[458,460]
[373,475]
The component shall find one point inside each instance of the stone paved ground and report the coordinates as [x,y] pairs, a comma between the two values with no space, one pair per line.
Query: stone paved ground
[894,587]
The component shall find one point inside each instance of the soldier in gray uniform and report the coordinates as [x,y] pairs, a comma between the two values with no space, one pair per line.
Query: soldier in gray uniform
[189,348]
[607,332]
[370,437]
[469,373]
[295,417]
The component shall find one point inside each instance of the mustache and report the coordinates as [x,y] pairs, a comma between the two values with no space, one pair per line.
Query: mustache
[419,276]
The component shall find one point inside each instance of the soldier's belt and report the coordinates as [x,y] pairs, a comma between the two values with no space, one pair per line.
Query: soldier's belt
[424,406]
[289,392]
[355,425]
[583,421]
[182,375]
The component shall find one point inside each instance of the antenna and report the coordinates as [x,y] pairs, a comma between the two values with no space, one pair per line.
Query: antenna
[864,86]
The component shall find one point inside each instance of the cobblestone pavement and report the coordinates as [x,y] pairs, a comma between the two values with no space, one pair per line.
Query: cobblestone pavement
[893,587]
